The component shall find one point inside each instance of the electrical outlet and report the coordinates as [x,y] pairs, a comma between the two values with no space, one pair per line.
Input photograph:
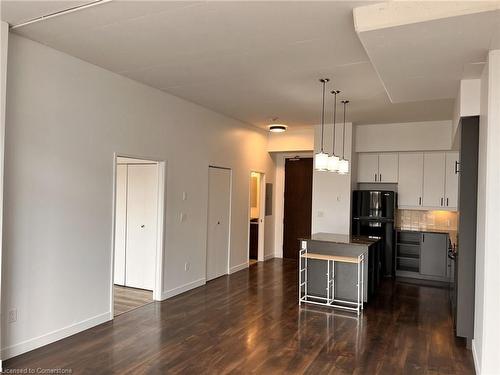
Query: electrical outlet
[186,266]
[12,316]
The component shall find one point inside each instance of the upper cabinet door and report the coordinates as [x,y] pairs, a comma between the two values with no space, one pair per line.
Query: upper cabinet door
[434,165]
[368,168]
[388,167]
[410,175]
[451,180]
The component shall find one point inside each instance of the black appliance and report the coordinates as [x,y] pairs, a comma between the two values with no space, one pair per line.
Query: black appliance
[373,214]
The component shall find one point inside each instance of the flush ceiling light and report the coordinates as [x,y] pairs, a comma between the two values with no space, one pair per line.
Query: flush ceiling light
[344,164]
[333,160]
[274,127]
[321,158]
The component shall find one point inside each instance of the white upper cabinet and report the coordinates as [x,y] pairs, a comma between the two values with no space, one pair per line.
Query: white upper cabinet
[451,180]
[388,167]
[411,173]
[378,167]
[434,167]
[368,168]
[426,180]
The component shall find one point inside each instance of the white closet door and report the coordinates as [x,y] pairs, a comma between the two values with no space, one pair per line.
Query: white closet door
[219,204]
[434,176]
[142,214]
[120,223]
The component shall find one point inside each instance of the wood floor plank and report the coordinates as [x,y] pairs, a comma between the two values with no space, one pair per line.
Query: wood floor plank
[250,322]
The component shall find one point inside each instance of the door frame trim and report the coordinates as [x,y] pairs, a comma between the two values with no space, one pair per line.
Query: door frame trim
[279,202]
[160,227]
[262,216]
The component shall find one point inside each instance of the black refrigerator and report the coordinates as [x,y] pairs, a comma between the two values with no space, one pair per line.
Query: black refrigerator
[373,214]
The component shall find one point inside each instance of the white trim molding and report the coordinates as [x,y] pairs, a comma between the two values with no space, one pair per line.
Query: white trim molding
[477,367]
[269,256]
[4,39]
[48,338]
[183,288]
[239,267]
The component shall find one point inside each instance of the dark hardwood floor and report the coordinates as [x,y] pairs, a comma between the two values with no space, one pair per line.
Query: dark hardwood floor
[250,322]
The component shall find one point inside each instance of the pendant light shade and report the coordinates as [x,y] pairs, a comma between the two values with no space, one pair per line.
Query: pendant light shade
[333,159]
[321,158]
[321,161]
[343,163]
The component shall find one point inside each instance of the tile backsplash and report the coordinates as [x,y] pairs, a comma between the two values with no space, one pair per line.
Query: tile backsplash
[422,220]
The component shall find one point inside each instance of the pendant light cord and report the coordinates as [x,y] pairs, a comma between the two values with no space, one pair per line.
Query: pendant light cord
[334,92]
[344,102]
[324,81]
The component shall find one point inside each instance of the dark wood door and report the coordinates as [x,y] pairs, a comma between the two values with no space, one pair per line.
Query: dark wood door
[298,204]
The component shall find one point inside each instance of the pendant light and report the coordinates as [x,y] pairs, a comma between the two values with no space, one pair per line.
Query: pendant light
[333,160]
[321,158]
[343,164]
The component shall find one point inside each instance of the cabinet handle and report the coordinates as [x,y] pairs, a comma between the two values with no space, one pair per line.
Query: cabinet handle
[423,237]
[456,167]
[375,177]
[420,201]
[447,202]
[380,177]
[441,202]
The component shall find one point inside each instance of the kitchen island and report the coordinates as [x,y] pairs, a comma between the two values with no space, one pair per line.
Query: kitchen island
[338,270]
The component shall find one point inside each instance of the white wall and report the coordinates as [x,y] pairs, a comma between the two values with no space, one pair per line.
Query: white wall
[65,120]
[486,324]
[467,102]
[331,197]
[4,37]
[410,136]
[291,140]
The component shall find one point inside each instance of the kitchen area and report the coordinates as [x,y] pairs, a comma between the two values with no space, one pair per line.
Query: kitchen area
[412,211]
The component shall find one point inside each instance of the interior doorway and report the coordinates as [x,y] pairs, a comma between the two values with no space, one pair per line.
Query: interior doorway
[138,225]
[256,220]
[297,204]
[218,222]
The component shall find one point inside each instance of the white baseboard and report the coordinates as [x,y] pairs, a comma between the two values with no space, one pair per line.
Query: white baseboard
[269,256]
[239,267]
[474,357]
[48,338]
[183,288]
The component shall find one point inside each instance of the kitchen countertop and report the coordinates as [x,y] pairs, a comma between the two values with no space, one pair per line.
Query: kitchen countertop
[426,230]
[341,239]
[452,233]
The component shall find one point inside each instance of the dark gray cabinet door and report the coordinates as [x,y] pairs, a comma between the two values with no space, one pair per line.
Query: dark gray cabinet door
[433,248]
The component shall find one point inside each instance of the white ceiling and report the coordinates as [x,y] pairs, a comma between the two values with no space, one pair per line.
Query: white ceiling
[249,60]
[426,59]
